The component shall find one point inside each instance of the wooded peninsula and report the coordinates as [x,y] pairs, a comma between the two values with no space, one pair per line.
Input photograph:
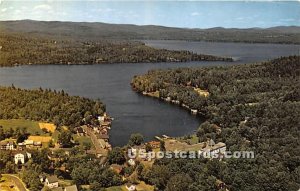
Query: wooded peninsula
[253,107]
[27,50]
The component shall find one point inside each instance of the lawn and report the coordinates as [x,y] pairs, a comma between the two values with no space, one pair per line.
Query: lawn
[49,126]
[116,188]
[7,185]
[191,139]
[172,145]
[83,139]
[32,127]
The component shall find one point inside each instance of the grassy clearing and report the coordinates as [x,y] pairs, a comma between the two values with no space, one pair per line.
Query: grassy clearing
[49,126]
[172,145]
[43,139]
[31,126]
[142,186]
[191,139]
[83,140]
[6,184]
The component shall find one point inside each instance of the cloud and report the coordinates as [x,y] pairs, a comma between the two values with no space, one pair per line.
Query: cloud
[43,7]
[106,10]
[3,10]
[17,11]
[287,20]
[195,14]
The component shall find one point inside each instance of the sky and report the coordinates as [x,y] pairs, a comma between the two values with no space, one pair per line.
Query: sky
[184,14]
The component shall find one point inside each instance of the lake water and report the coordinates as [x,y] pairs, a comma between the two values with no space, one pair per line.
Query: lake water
[111,83]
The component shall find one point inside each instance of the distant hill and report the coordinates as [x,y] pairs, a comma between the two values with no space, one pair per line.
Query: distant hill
[92,31]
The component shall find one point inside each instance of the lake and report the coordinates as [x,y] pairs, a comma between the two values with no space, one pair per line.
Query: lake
[135,113]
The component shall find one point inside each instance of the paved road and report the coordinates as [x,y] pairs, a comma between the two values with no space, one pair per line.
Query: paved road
[17,181]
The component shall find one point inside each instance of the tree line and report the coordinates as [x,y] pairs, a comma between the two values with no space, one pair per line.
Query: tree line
[47,105]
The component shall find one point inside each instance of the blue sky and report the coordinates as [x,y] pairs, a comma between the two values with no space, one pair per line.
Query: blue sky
[189,14]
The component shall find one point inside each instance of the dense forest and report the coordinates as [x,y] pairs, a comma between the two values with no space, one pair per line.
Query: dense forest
[47,105]
[257,107]
[20,49]
[96,31]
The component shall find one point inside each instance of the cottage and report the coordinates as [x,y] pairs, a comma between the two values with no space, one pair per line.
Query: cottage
[28,143]
[194,111]
[42,178]
[213,149]
[130,187]
[154,144]
[131,162]
[21,157]
[51,182]
[220,185]
[7,145]
[71,188]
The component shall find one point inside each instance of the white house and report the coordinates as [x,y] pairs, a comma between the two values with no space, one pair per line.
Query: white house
[130,187]
[21,157]
[194,111]
[7,145]
[131,162]
[51,182]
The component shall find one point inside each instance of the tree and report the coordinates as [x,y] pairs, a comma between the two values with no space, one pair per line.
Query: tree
[179,182]
[97,186]
[65,138]
[148,148]
[162,145]
[116,156]
[136,139]
[158,176]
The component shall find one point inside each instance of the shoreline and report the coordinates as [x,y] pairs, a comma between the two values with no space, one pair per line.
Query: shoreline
[222,59]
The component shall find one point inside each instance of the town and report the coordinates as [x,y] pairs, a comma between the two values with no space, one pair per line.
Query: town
[91,140]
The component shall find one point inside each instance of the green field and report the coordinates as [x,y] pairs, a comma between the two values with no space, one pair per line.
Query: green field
[31,126]
[83,139]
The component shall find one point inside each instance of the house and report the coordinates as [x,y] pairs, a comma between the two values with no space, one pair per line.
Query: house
[71,188]
[130,187]
[42,178]
[213,149]
[21,146]
[28,143]
[131,162]
[194,111]
[220,185]
[7,145]
[51,182]
[21,157]
[154,144]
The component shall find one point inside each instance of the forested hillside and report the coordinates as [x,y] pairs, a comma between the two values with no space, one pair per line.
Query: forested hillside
[96,31]
[257,107]
[46,105]
[17,49]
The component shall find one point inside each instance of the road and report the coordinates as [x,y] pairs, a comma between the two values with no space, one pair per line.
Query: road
[17,181]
